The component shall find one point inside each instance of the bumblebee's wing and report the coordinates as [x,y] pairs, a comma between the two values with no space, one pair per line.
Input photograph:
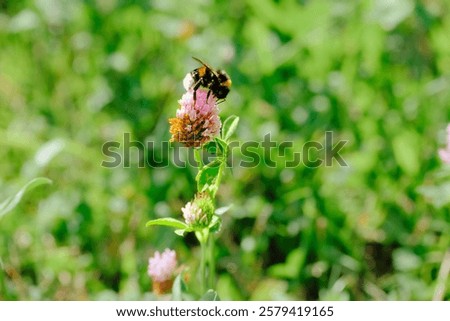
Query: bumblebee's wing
[206,66]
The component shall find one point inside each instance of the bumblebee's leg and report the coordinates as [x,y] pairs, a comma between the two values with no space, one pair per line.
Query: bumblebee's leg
[195,87]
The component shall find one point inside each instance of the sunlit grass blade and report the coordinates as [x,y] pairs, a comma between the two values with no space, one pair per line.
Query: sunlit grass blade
[10,203]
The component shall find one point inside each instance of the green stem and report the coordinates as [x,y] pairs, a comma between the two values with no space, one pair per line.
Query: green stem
[203,268]
[202,237]
[198,158]
[2,283]
[219,177]
[212,266]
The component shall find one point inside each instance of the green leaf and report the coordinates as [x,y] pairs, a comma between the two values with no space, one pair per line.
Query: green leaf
[168,221]
[180,232]
[211,147]
[223,210]
[229,127]
[291,268]
[216,224]
[269,289]
[406,260]
[438,194]
[178,288]
[207,175]
[11,202]
[198,157]
[229,289]
[210,295]
[407,152]
[48,151]
[211,189]
[222,145]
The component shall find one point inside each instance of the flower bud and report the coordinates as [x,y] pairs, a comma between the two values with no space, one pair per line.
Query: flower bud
[199,211]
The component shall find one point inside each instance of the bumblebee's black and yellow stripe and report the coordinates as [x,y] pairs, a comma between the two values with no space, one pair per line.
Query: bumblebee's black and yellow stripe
[218,82]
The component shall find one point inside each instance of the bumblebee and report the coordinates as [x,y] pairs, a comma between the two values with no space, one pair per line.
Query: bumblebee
[216,81]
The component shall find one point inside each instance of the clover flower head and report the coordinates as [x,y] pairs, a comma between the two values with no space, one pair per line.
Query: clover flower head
[161,266]
[197,120]
[199,211]
[444,153]
[191,213]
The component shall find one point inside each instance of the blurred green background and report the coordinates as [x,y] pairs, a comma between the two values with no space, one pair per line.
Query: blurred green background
[75,74]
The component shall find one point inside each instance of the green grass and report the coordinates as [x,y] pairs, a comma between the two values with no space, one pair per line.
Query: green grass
[75,74]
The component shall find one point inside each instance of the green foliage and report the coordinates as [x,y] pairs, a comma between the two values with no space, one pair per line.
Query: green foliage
[179,289]
[180,226]
[207,177]
[10,203]
[229,127]
[210,295]
[77,74]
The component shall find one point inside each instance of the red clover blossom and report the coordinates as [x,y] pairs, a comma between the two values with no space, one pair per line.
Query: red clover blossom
[197,122]
[161,268]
